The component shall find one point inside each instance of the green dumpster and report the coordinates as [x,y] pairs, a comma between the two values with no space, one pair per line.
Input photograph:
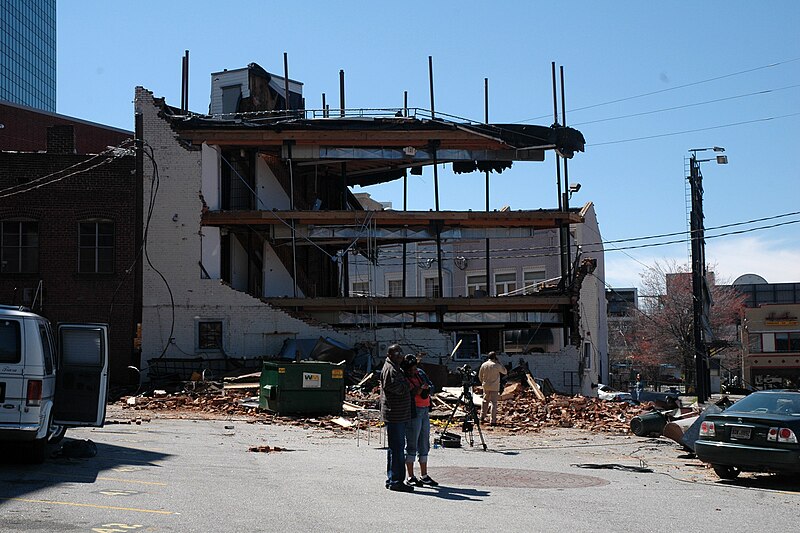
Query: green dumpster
[302,387]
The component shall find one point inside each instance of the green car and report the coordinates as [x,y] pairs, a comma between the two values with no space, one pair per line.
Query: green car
[756,434]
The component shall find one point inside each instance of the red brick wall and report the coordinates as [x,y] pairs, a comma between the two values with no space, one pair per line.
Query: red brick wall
[25,130]
[107,192]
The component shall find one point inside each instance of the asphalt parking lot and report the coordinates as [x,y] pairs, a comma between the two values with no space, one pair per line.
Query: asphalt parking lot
[179,475]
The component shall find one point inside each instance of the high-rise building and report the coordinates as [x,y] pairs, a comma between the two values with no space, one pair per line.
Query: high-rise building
[28,53]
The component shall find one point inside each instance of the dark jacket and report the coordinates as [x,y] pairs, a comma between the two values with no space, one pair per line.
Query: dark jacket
[396,399]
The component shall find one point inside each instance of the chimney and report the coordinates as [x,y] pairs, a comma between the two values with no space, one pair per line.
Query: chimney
[61,139]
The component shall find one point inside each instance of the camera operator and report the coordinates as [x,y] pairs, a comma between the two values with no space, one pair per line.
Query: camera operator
[489,374]
[418,430]
[396,411]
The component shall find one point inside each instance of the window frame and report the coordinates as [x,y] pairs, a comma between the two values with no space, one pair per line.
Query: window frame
[505,284]
[200,346]
[435,281]
[97,249]
[473,286]
[22,262]
[529,289]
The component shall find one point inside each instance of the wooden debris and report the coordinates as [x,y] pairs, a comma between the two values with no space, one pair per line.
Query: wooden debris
[342,422]
[266,449]
[534,387]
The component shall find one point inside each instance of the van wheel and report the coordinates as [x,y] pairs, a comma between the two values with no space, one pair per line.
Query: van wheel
[36,452]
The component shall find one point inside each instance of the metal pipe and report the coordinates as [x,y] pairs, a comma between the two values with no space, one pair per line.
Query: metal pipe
[286,80]
[324,112]
[405,104]
[405,245]
[566,176]
[341,93]
[291,207]
[486,121]
[430,78]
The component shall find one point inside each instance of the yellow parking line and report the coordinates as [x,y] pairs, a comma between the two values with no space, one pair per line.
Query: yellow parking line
[73,504]
[158,483]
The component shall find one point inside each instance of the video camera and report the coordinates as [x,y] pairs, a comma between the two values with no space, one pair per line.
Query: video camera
[467,375]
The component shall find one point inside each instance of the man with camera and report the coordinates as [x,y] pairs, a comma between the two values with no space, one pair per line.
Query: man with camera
[396,410]
[489,374]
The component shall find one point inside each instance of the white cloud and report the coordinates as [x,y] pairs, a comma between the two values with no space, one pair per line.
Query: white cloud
[776,260]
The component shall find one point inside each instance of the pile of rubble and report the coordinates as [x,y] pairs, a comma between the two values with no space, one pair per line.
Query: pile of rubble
[525,411]
[523,407]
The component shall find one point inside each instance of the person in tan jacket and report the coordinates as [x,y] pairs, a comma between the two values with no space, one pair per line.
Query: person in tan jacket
[489,374]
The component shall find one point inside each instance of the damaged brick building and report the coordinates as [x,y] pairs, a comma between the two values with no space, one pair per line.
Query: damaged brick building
[254,225]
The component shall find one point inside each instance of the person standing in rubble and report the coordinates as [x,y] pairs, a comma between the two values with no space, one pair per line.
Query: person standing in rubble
[396,411]
[489,374]
[639,387]
[418,430]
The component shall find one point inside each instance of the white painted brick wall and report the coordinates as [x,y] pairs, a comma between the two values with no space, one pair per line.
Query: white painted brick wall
[251,328]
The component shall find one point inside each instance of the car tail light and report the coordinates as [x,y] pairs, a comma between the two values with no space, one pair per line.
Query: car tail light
[707,429]
[34,397]
[787,435]
[781,435]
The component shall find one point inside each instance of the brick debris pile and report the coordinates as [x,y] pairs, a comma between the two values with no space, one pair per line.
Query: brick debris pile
[521,409]
[525,412]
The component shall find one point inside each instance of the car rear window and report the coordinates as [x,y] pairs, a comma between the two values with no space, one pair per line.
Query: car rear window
[10,341]
[771,402]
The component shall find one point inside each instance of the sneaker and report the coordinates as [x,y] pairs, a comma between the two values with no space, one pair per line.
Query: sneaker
[411,481]
[427,480]
[401,487]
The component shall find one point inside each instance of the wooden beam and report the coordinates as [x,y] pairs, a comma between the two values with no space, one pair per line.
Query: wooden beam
[543,219]
[529,303]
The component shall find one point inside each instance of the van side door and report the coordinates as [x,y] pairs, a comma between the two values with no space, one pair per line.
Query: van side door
[12,380]
[82,377]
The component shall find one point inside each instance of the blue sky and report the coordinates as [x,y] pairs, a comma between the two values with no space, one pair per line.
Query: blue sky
[694,74]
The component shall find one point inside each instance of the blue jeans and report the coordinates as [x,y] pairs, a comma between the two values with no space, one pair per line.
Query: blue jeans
[418,436]
[395,465]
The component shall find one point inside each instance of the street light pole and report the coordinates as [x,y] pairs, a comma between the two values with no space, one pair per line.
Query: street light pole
[701,298]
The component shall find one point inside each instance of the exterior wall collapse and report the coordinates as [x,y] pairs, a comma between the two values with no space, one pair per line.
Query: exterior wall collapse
[570,369]
[176,245]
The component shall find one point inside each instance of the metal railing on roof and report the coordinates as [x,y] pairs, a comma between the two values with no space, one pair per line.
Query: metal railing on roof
[417,113]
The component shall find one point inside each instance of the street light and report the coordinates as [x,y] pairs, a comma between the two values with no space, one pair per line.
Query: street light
[701,299]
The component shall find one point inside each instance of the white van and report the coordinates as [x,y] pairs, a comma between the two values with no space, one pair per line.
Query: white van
[48,384]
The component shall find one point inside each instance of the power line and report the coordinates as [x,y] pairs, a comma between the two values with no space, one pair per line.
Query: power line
[766,119]
[627,98]
[696,104]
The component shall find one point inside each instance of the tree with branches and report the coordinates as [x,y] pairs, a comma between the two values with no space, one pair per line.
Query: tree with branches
[663,327]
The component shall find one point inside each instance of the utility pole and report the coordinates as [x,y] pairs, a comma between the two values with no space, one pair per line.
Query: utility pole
[701,299]
[698,278]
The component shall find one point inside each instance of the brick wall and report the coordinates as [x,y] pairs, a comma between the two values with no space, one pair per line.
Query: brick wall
[25,130]
[106,192]
[251,328]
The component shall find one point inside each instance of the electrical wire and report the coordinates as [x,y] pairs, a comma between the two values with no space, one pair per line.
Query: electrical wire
[40,182]
[721,126]
[674,108]
[683,86]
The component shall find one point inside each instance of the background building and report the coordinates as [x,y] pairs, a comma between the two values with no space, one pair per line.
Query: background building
[69,233]
[770,333]
[28,53]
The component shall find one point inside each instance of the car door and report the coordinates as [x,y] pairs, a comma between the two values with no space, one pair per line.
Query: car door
[12,396]
[82,377]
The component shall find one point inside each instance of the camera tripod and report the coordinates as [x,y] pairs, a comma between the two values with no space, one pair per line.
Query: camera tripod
[471,418]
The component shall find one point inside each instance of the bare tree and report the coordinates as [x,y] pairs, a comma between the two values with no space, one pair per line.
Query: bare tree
[663,331]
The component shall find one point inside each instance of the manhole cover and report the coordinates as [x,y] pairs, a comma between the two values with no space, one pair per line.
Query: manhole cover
[514,478]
